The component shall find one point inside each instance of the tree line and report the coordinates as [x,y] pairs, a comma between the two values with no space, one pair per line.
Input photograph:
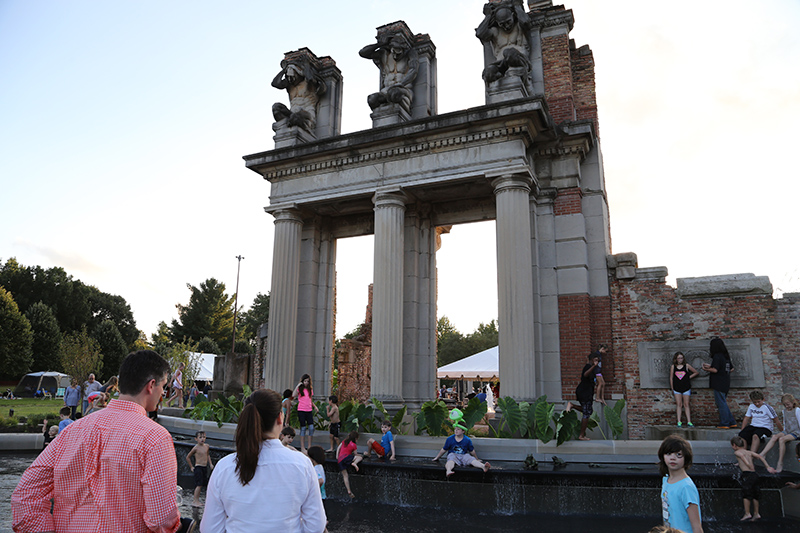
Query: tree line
[52,321]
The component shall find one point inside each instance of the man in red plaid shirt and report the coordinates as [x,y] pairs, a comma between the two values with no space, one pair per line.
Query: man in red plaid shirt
[113,470]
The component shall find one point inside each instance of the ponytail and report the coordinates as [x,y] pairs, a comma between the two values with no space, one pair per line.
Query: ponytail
[260,412]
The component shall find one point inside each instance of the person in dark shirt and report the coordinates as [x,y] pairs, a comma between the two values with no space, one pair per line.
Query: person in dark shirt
[585,393]
[720,381]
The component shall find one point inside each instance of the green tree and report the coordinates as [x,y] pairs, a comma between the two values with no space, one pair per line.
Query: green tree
[16,338]
[209,313]
[81,356]
[112,346]
[104,307]
[451,345]
[251,320]
[207,345]
[161,340]
[46,337]
[484,337]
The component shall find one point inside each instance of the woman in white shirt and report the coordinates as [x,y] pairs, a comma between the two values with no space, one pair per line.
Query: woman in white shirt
[236,502]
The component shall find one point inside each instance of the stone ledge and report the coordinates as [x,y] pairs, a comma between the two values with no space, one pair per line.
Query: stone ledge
[728,285]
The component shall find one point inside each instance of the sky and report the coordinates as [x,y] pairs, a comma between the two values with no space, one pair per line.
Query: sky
[123,125]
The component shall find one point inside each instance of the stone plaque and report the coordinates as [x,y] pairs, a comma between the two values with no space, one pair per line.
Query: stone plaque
[655,359]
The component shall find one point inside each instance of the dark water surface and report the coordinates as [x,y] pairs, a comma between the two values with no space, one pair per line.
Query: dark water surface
[357,517]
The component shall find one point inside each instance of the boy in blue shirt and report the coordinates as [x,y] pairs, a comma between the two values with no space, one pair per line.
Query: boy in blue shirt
[387,443]
[460,451]
[65,419]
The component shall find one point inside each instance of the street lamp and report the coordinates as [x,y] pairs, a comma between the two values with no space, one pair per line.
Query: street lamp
[236,303]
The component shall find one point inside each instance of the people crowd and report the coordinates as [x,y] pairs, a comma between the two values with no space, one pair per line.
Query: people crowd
[115,426]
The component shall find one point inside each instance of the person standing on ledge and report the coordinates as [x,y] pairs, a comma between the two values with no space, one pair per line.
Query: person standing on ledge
[112,471]
[720,381]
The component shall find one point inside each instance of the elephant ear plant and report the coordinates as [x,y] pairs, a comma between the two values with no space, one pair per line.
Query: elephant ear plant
[222,410]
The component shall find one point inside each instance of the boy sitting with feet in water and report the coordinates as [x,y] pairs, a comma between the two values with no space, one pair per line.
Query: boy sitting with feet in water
[459,448]
[202,461]
[386,445]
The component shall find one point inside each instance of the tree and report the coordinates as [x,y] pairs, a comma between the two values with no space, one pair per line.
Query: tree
[484,337]
[251,320]
[207,345]
[451,345]
[46,337]
[208,314]
[104,307]
[81,356]
[112,346]
[186,353]
[160,340]
[16,338]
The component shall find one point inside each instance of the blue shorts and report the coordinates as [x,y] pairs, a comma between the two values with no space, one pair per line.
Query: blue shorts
[687,393]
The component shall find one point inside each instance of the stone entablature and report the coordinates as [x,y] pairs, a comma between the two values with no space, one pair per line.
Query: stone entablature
[727,285]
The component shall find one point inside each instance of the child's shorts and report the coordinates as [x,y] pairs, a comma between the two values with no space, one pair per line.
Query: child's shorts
[200,476]
[346,461]
[795,434]
[588,408]
[748,432]
[377,448]
[460,459]
[306,418]
[334,429]
[750,488]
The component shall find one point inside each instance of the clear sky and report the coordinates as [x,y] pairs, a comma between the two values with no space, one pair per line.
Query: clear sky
[123,125]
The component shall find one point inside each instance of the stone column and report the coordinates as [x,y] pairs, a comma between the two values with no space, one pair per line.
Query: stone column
[515,286]
[387,299]
[281,343]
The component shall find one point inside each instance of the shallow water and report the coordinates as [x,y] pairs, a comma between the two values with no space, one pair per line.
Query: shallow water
[360,517]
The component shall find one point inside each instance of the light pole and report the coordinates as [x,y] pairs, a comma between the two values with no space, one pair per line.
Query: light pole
[236,303]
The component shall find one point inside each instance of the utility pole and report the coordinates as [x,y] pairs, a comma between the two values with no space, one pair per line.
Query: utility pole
[236,303]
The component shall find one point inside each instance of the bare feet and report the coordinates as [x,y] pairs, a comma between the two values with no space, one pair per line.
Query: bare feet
[486,466]
[601,400]
[329,451]
[355,467]
[772,470]
[351,495]
[447,474]
[745,518]
[778,470]
[584,438]
[755,517]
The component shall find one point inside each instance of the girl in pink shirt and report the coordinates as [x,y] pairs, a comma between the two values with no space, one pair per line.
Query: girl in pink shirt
[305,411]
[346,455]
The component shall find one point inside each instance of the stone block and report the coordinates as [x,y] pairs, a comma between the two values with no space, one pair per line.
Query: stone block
[658,273]
[572,253]
[570,227]
[573,280]
[728,285]
[655,359]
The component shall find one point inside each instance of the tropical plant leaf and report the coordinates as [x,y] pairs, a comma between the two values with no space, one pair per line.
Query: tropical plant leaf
[435,415]
[619,406]
[567,426]
[474,412]
[614,420]
[543,415]
[397,421]
[512,414]
[594,423]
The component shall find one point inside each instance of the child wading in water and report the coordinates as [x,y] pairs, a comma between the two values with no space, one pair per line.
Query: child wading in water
[202,461]
[333,415]
[680,501]
[347,457]
[459,448]
[749,479]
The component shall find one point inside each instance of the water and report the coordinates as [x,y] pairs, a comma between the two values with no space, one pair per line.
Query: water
[361,517]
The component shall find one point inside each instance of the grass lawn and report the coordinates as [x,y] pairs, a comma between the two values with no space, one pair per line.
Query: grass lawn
[31,407]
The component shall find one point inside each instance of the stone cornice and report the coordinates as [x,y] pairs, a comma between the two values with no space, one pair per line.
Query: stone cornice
[377,155]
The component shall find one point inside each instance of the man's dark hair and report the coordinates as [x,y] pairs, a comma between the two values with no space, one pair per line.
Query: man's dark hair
[140,367]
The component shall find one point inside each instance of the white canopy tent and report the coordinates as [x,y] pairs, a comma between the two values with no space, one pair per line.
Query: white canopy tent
[483,366]
[205,372]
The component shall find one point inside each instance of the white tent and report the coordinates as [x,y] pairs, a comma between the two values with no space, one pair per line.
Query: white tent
[483,366]
[205,372]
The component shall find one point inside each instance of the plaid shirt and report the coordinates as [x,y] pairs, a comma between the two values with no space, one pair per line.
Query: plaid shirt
[114,470]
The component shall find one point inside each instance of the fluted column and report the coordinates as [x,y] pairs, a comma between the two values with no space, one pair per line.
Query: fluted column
[281,343]
[387,298]
[515,286]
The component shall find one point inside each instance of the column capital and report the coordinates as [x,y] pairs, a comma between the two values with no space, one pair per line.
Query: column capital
[390,198]
[285,213]
[507,182]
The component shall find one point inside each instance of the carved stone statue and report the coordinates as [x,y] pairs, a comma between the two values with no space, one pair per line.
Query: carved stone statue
[398,61]
[505,27]
[305,87]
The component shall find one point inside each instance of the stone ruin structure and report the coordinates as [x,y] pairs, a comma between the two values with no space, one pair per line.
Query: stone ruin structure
[530,159]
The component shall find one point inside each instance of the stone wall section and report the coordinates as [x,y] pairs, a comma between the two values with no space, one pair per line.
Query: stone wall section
[585,97]
[355,361]
[646,309]
[787,319]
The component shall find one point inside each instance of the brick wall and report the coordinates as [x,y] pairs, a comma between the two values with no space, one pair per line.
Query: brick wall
[787,320]
[648,310]
[355,361]
[585,98]
[558,77]
[568,201]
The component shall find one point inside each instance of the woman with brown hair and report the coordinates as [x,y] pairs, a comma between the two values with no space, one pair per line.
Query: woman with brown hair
[236,502]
